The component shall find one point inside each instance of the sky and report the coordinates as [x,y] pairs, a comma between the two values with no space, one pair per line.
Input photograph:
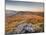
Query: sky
[24,6]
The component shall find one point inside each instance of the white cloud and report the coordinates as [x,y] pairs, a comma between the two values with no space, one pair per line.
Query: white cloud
[22,8]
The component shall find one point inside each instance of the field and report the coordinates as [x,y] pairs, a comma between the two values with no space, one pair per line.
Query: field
[31,22]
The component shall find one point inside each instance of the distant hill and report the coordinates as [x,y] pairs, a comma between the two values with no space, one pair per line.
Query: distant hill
[11,12]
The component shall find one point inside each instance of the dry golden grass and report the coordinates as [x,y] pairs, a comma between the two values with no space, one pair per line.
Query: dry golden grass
[13,21]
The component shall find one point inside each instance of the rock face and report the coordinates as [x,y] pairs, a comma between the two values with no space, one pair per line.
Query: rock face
[24,23]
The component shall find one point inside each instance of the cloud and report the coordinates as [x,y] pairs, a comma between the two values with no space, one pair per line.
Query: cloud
[24,6]
[28,0]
